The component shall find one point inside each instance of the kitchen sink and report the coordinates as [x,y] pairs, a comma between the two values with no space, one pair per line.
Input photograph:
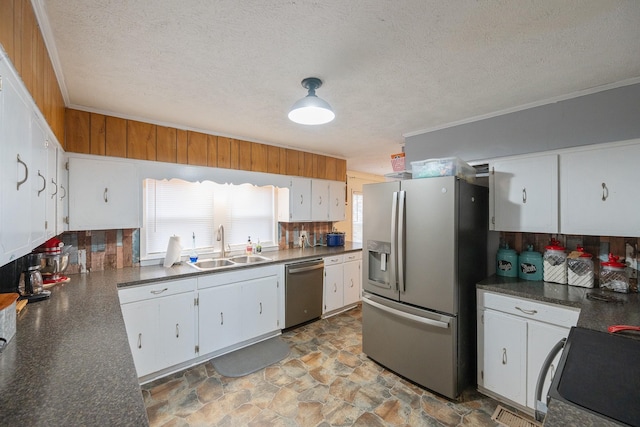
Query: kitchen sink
[216,263]
[210,264]
[245,259]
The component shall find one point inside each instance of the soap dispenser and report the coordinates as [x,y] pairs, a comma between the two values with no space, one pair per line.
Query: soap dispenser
[249,250]
[193,255]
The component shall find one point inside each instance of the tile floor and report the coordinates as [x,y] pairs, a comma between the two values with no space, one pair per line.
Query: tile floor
[325,381]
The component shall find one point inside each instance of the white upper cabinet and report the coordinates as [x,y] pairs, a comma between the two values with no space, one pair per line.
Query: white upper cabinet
[103,194]
[62,193]
[320,200]
[525,194]
[39,183]
[294,201]
[599,194]
[16,171]
[337,197]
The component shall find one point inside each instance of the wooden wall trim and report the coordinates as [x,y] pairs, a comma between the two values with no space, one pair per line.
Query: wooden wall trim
[93,133]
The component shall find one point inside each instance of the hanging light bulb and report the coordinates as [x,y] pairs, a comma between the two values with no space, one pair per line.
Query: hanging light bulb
[311,110]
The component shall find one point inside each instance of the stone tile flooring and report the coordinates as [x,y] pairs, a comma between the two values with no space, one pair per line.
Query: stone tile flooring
[325,381]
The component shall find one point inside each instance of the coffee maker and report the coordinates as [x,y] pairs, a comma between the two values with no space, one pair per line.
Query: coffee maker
[30,285]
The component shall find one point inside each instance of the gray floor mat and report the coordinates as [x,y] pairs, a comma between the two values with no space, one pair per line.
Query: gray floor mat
[251,359]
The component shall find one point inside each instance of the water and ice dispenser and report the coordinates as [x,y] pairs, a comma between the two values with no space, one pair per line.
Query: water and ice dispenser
[379,263]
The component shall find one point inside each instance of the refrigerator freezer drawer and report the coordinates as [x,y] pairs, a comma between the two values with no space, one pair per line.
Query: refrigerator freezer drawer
[417,344]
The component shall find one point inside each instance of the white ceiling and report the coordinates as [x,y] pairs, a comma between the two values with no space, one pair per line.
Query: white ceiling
[390,67]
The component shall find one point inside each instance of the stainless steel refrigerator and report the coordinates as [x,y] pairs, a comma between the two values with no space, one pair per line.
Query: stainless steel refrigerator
[425,248]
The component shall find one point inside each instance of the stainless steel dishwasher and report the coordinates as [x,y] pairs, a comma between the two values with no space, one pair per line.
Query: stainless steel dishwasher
[303,292]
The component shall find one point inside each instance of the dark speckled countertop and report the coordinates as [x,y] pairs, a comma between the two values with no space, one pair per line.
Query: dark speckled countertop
[69,363]
[596,315]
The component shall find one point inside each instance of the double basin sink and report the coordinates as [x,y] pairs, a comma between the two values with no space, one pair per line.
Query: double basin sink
[218,263]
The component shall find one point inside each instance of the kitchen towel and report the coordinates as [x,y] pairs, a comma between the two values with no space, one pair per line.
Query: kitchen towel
[174,249]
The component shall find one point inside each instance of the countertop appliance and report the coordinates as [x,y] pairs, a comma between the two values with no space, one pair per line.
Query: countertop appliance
[303,288]
[606,381]
[31,284]
[424,251]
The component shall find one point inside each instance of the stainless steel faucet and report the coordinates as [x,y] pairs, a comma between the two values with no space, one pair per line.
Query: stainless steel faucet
[220,238]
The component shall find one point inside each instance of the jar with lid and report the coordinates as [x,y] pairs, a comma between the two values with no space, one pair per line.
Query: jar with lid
[530,264]
[580,268]
[506,262]
[613,275]
[555,263]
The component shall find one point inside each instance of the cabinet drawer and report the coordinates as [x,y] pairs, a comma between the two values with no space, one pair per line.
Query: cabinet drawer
[156,290]
[336,259]
[541,311]
[352,256]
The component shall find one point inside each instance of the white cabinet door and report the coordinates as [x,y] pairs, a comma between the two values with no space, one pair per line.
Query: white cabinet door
[219,317]
[103,194]
[599,193]
[16,172]
[320,200]
[62,196]
[352,281]
[294,201]
[52,188]
[259,306]
[176,329]
[337,192]
[140,319]
[39,188]
[541,337]
[333,286]
[505,355]
[525,194]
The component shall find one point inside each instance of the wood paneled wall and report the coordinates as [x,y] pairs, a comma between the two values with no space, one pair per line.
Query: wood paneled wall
[92,133]
[22,39]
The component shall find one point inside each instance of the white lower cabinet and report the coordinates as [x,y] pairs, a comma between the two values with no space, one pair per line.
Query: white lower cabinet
[342,281]
[160,322]
[514,337]
[237,307]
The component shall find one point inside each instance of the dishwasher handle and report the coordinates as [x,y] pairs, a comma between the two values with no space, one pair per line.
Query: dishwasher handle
[305,268]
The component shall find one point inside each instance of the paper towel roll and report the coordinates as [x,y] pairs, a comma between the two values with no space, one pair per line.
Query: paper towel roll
[174,249]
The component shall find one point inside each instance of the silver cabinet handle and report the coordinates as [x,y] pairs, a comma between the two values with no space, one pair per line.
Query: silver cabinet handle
[260,308]
[26,173]
[319,200]
[221,318]
[159,292]
[504,356]
[335,287]
[65,192]
[352,283]
[337,201]
[524,195]
[55,192]
[301,199]
[529,312]
[177,330]
[105,195]
[605,192]
[140,340]
[44,183]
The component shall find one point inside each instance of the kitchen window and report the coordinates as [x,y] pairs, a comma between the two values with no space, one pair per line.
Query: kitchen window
[182,208]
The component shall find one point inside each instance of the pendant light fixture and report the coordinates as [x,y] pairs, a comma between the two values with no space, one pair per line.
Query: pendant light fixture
[311,110]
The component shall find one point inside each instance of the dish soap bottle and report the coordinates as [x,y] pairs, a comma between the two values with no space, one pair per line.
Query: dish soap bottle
[193,255]
[249,250]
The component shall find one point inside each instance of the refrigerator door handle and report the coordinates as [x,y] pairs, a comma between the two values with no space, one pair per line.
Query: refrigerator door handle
[394,241]
[408,316]
[401,283]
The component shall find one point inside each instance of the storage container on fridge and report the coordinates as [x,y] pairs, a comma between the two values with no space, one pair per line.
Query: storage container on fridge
[446,166]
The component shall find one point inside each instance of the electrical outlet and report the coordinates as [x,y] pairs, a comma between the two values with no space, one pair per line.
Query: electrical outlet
[303,234]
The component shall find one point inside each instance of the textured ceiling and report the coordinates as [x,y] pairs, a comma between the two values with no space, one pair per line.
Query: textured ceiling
[390,67]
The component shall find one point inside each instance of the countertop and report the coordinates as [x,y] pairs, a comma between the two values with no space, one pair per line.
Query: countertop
[70,363]
[595,315]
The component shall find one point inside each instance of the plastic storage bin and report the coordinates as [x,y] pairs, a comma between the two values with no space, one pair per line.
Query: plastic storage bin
[446,166]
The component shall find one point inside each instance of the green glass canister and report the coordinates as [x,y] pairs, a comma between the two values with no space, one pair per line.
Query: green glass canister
[506,262]
[530,264]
